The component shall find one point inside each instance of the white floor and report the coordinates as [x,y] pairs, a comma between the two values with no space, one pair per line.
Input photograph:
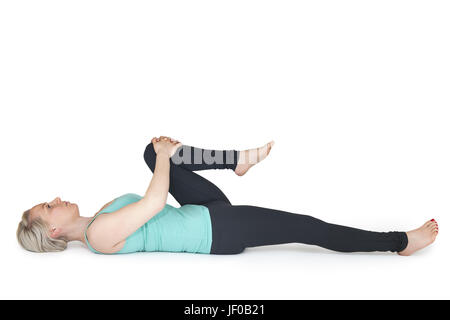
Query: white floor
[276,272]
[354,93]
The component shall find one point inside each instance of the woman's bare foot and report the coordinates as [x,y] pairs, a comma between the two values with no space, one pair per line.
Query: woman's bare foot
[421,237]
[248,158]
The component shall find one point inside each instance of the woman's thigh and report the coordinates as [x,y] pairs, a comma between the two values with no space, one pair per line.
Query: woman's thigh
[187,187]
[226,236]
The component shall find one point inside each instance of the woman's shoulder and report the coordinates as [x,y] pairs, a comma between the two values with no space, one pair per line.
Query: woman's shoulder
[96,238]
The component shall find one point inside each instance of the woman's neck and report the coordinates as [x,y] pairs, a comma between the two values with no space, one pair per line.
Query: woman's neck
[76,230]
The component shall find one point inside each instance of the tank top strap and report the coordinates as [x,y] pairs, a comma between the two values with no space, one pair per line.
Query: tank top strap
[85,234]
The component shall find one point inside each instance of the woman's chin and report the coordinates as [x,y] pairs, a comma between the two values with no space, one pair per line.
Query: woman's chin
[76,209]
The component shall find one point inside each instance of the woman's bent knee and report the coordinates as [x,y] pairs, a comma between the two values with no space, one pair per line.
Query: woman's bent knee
[150,156]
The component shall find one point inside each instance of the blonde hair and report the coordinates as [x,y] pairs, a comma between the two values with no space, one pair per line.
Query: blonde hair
[33,236]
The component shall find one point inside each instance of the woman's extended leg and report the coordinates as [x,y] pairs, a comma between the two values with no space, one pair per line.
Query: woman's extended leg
[186,186]
[238,227]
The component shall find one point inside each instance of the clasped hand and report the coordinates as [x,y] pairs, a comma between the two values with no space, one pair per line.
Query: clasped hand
[166,145]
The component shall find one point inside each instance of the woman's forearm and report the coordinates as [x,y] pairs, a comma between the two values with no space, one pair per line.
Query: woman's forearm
[159,185]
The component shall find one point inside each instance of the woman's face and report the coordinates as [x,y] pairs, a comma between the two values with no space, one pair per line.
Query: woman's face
[57,214]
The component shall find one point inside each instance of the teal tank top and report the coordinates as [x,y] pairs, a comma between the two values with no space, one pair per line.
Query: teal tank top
[183,229]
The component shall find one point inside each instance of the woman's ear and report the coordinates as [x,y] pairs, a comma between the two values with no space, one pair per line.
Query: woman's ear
[55,232]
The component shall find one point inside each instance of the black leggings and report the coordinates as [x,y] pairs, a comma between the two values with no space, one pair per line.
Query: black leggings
[236,227]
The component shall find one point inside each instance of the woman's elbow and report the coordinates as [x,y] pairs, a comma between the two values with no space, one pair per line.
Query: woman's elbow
[154,203]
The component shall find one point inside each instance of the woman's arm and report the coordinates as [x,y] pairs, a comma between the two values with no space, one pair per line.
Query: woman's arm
[110,229]
[159,185]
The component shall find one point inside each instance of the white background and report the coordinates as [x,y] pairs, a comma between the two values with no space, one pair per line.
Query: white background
[354,93]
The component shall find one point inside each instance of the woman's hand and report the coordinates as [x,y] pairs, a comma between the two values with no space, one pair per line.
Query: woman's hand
[166,145]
